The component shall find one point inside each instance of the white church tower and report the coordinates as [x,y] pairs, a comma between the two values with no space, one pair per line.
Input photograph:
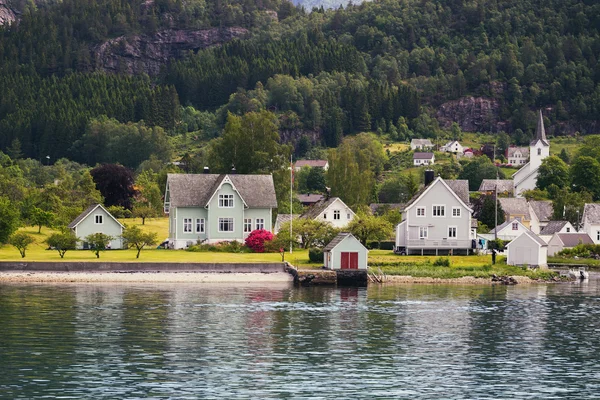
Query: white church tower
[539,149]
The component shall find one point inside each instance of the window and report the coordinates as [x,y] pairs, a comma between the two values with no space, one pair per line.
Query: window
[439,211]
[199,225]
[422,232]
[452,232]
[225,201]
[225,224]
[325,216]
[348,216]
[187,224]
[568,230]
[539,152]
[456,211]
[598,235]
[420,211]
[247,225]
[260,223]
[99,218]
[336,214]
[515,226]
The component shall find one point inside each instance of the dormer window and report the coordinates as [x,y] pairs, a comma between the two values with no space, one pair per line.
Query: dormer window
[225,201]
[515,226]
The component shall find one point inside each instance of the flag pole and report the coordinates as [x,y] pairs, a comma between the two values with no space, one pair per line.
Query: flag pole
[291,200]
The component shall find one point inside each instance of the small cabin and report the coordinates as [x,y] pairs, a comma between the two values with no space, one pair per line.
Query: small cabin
[528,249]
[96,219]
[345,252]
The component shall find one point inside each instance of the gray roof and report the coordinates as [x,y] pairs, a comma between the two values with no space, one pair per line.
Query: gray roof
[543,209]
[504,185]
[540,132]
[591,213]
[502,226]
[310,198]
[336,240]
[318,208]
[536,238]
[311,163]
[421,142]
[422,156]
[285,218]
[553,227]
[510,152]
[573,239]
[514,206]
[460,187]
[195,190]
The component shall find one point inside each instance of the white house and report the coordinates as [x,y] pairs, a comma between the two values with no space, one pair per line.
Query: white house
[516,208]
[423,159]
[554,227]
[283,220]
[437,219]
[96,219]
[561,241]
[591,221]
[311,164]
[509,230]
[503,186]
[453,147]
[539,148]
[345,252]
[421,144]
[541,213]
[332,210]
[517,156]
[527,249]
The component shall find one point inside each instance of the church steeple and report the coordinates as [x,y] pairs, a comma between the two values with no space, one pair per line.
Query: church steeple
[540,132]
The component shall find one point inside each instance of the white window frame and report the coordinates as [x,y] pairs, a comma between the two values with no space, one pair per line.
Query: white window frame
[200,225]
[337,215]
[452,229]
[221,221]
[456,212]
[226,201]
[98,217]
[187,225]
[423,232]
[247,225]
[442,210]
[260,223]
[423,210]
[515,226]
[568,230]
[348,216]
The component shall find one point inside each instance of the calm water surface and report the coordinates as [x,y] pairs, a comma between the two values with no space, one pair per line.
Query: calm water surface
[228,342]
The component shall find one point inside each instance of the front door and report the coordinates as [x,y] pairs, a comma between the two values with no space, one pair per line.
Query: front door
[349,260]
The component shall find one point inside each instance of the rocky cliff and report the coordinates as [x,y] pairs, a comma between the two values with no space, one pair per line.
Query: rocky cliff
[472,114]
[148,53]
[7,15]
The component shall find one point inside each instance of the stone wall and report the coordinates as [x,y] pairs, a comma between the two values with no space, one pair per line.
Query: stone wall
[99,266]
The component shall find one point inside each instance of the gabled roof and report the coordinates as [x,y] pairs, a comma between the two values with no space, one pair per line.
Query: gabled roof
[543,209]
[540,132]
[553,227]
[338,239]
[310,198]
[591,213]
[421,142]
[285,218]
[510,152]
[459,187]
[319,207]
[507,223]
[573,239]
[515,206]
[504,185]
[311,163]
[195,190]
[532,235]
[87,212]
[422,156]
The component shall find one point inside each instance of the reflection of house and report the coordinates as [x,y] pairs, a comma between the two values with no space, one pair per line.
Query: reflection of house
[556,227]
[423,159]
[332,210]
[517,156]
[561,241]
[95,219]
[505,186]
[516,209]
[591,221]
[310,199]
[453,147]
[527,249]
[312,164]
[509,230]
[345,252]
[539,148]
[420,144]
[541,213]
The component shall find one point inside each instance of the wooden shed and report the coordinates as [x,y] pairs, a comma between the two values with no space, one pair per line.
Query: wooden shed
[527,249]
[345,252]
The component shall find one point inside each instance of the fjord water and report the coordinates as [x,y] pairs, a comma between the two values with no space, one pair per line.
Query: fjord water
[275,341]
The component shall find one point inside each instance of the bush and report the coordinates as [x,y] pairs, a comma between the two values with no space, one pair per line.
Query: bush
[221,247]
[383,245]
[442,262]
[316,255]
[498,244]
[257,238]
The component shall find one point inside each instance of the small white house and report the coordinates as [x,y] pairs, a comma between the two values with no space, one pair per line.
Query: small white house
[561,241]
[421,144]
[509,230]
[96,219]
[423,159]
[345,252]
[332,210]
[528,249]
[556,227]
[453,147]
[517,156]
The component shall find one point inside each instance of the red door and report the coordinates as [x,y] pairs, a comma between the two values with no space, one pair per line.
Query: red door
[349,260]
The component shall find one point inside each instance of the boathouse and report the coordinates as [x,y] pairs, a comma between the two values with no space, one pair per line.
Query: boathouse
[345,252]
[528,249]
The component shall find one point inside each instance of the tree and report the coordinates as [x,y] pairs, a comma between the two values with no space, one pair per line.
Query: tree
[369,227]
[487,214]
[585,175]
[9,219]
[115,183]
[553,171]
[396,189]
[568,205]
[564,155]
[477,170]
[21,241]
[41,218]
[257,238]
[98,242]
[315,181]
[502,142]
[148,200]
[63,241]
[134,236]
[312,233]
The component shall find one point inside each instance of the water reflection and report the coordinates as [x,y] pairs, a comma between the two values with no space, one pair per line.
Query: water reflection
[223,341]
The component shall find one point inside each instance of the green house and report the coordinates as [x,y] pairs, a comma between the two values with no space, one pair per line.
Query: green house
[211,208]
[95,219]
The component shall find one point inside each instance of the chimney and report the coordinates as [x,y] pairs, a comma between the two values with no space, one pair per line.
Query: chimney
[429,176]
[206,170]
[233,171]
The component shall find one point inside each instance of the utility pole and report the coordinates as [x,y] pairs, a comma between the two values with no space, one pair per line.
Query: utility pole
[291,201]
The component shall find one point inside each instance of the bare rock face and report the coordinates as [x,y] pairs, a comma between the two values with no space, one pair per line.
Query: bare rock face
[7,15]
[148,53]
[472,114]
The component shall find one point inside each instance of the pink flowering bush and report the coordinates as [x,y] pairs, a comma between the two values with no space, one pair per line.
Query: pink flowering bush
[256,240]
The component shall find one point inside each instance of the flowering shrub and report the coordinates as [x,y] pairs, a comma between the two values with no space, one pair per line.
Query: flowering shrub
[256,240]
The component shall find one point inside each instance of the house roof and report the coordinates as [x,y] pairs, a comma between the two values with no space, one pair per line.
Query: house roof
[310,198]
[543,209]
[459,187]
[591,213]
[505,224]
[285,218]
[422,156]
[540,132]
[195,190]
[553,227]
[338,239]
[391,206]
[504,185]
[87,212]
[421,142]
[532,235]
[510,152]
[311,163]
[515,206]
[573,239]
[319,207]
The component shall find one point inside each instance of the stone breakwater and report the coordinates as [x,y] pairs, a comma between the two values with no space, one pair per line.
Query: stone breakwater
[465,280]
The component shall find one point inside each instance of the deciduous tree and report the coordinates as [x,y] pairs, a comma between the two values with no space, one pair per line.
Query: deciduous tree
[21,241]
[139,239]
[63,241]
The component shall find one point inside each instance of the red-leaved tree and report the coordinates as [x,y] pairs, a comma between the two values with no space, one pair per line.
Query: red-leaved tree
[256,240]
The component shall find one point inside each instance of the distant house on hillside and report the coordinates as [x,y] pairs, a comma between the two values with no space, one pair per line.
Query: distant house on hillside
[423,159]
[310,199]
[453,147]
[312,164]
[517,156]
[421,144]
[96,219]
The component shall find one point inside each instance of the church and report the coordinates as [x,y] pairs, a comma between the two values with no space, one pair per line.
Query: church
[539,148]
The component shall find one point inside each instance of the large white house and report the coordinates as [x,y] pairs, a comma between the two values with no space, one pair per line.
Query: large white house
[437,220]
[591,221]
[539,149]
